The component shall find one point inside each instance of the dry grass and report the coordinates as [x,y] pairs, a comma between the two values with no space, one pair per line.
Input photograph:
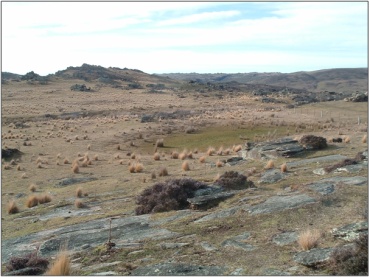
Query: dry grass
[219,163]
[220,151]
[44,198]
[270,164]
[185,166]
[309,239]
[66,161]
[131,168]
[12,207]
[284,167]
[153,176]
[32,188]
[174,155]
[75,168]
[202,159]
[61,266]
[79,204]
[237,148]
[364,139]
[183,155]
[159,143]
[7,166]
[139,167]
[211,151]
[79,192]
[347,139]
[163,172]
[32,201]
[156,156]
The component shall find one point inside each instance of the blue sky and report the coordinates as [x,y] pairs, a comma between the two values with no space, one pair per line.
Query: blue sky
[204,37]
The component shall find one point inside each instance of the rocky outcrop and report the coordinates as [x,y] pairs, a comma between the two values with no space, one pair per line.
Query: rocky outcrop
[351,232]
[357,97]
[313,257]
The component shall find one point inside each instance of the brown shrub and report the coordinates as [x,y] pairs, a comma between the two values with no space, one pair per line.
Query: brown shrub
[32,261]
[347,140]
[32,201]
[66,161]
[79,204]
[139,167]
[183,155]
[12,207]
[131,168]
[153,175]
[118,147]
[96,157]
[174,155]
[159,143]
[309,239]
[237,148]
[219,163]
[210,151]
[75,168]
[313,142]
[233,180]
[284,167]
[364,139]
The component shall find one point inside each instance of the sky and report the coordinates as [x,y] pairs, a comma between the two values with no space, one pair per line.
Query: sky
[183,37]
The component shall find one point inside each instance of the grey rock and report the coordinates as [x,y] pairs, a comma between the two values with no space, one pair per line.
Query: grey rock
[106,273]
[323,159]
[71,181]
[356,180]
[353,168]
[238,244]
[101,265]
[206,246]
[285,238]
[320,171]
[218,214]
[280,203]
[322,188]
[172,245]
[271,176]
[313,257]
[351,232]
[20,195]
[210,200]
[237,272]
[285,147]
[95,232]
[178,215]
[178,269]
[25,271]
[275,272]
[233,161]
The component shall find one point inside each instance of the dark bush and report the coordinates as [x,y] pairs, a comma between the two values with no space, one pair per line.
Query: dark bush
[313,142]
[233,180]
[166,196]
[36,264]
[345,162]
[350,260]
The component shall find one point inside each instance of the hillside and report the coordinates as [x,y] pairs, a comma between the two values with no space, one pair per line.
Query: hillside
[347,80]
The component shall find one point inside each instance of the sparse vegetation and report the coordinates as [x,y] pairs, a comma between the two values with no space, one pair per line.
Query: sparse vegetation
[44,198]
[32,201]
[36,265]
[12,207]
[163,172]
[61,266]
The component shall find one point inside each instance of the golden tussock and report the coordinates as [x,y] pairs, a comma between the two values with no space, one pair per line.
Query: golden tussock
[156,156]
[284,167]
[12,207]
[32,187]
[61,266]
[202,159]
[44,198]
[79,192]
[309,239]
[270,164]
[185,166]
[163,172]
[32,201]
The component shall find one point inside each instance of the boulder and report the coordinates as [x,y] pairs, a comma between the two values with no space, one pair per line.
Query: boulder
[285,238]
[285,147]
[313,257]
[271,176]
[10,153]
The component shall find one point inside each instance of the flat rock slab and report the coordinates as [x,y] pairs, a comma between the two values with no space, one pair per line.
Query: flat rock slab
[177,269]
[93,233]
[218,214]
[327,185]
[323,159]
[238,242]
[275,272]
[285,147]
[280,203]
[351,232]
[71,181]
[322,188]
[353,168]
[285,238]
[313,257]
[208,247]
[210,200]
[66,213]
[271,176]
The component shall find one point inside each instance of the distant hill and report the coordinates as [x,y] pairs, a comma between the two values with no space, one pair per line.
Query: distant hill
[346,80]
[10,76]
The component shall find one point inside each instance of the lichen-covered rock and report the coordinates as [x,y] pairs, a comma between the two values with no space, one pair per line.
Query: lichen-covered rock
[313,257]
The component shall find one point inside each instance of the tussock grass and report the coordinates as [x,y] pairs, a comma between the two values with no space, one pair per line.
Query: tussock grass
[32,201]
[163,172]
[211,151]
[309,239]
[66,161]
[202,159]
[237,148]
[364,139]
[7,166]
[153,176]
[219,163]
[12,207]
[347,139]
[79,192]
[270,164]
[156,156]
[174,155]
[79,204]
[284,167]
[139,167]
[32,188]
[44,198]
[185,166]
[61,266]
[183,155]
[159,143]
[75,168]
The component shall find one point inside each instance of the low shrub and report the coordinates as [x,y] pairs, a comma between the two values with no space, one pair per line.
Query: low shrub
[166,196]
[313,142]
[349,261]
[36,264]
[233,180]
